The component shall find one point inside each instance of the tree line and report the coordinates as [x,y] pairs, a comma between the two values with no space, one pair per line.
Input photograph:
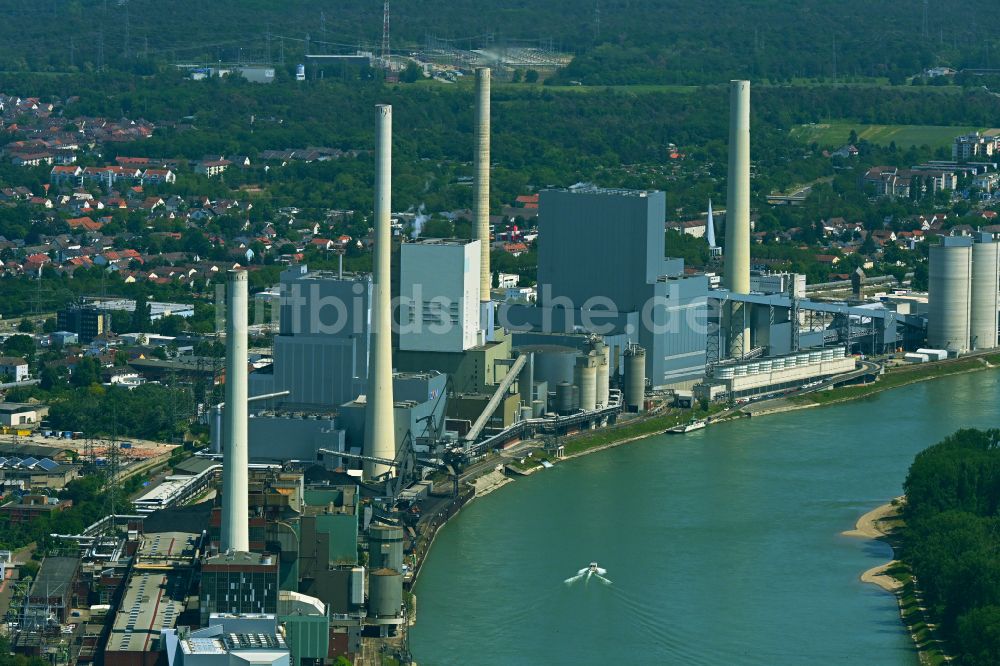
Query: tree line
[952,539]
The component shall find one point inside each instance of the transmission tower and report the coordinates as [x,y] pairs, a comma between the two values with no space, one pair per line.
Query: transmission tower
[385,35]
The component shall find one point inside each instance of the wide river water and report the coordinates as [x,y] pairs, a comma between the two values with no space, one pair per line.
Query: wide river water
[722,546]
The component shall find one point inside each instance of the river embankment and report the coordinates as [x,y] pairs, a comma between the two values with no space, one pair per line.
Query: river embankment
[885,523]
[879,524]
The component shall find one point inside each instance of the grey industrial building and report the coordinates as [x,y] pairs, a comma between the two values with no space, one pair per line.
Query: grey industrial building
[321,350]
[602,267]
[420,401]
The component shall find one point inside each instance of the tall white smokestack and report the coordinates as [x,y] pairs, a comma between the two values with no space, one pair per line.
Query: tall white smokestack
[710,226]
[235,512]
[380,430]
[481,224]
[737,265]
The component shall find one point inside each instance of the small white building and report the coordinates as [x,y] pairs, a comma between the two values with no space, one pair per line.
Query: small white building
[16,369]
[19,413]
[507,280]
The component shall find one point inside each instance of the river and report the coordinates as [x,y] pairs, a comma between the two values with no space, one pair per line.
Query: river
[722,546]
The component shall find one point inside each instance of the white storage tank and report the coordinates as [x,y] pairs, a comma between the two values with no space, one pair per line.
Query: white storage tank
[585,379]
[985,294]
[564,397]
[828,354]
[603,352]
[635,378]
[950,294]
[815,357]
[740,371]
[725,372]
[778,363]
[802,359]
[385,594]
[765,366]
[753,368]
[552,363]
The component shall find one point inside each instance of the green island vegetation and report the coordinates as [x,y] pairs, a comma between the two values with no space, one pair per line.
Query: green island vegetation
[949,546]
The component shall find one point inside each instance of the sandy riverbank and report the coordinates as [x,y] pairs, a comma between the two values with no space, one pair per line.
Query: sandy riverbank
[874,525]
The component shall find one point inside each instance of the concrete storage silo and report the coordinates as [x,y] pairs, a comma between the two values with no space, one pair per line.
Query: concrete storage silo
[603,352]
[385,547]
[950,294]
[985,293]
[635,378]
[552,363]
[585,379]
[385,594]
[564,397]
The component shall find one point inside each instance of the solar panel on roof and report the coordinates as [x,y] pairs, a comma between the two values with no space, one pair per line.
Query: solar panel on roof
[47,464]
[28,462]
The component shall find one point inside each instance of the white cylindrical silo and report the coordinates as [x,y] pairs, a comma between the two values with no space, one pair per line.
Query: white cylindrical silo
[950,295]
[603,371]
[235,533]
[985,294]
[564,397]
[380,435]
[635,379]
[585,379]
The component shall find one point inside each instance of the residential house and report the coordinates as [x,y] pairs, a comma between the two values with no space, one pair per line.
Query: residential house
[84,223]
[13,368]
[211,168]
[158,176]
[65,174]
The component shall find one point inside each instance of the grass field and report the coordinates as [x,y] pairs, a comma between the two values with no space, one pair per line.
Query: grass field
[835,134]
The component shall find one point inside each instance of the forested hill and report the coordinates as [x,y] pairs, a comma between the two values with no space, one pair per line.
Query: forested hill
[616,41]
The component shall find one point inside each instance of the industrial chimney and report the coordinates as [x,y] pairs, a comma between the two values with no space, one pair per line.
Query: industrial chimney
[737,263]
[235,512]
[380,431]
[481,225]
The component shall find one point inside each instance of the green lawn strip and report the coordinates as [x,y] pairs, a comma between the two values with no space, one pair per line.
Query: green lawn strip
[835,133]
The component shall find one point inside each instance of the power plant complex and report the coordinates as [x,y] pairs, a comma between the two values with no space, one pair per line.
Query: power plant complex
[384,388]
